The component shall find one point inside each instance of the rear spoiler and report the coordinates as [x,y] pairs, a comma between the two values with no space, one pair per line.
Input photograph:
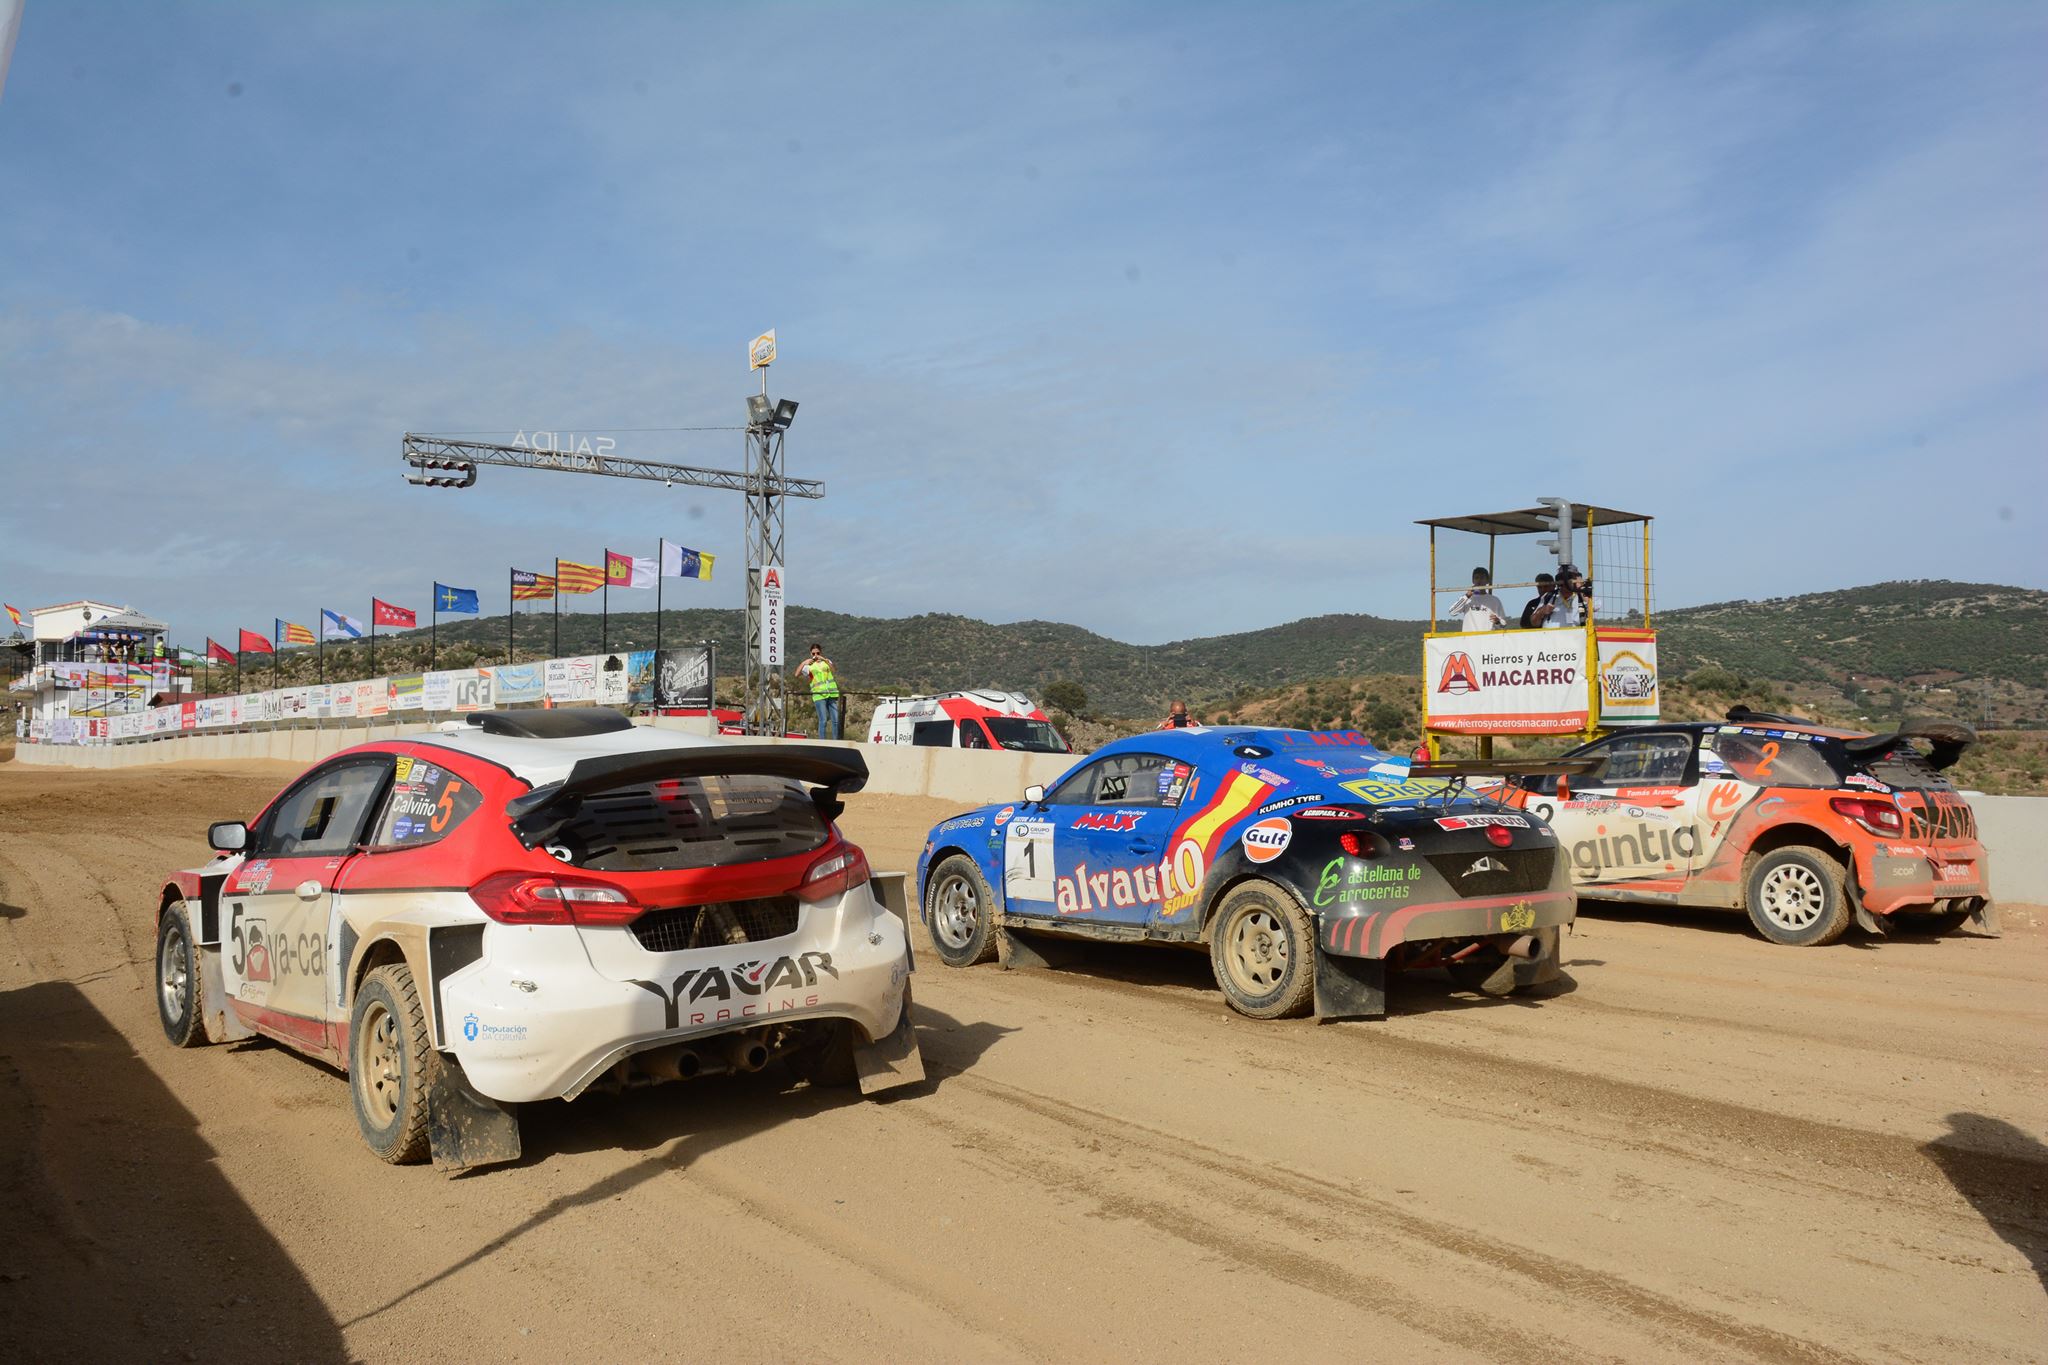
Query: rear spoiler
[1948,737]
[539,814]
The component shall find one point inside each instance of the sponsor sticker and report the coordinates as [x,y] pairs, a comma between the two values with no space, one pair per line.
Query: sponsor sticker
[1005,813]
[1267,840]
[1480,821]
[1288,802]
[1327,813]
[1265,775]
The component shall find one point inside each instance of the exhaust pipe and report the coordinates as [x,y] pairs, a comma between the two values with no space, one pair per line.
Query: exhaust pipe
[747,1054]
[1528,947]
[674,1064]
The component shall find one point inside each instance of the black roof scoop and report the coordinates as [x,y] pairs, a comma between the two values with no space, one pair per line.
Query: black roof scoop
[551,724]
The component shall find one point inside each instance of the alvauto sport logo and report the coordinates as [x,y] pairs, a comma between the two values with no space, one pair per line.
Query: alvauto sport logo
[1724,800]
[1267,840]
[1458,677]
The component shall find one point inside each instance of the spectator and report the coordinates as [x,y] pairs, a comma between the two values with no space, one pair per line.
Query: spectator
[1540,606]
[1480,609]
[1176,717]
[818,671]
[1574,599]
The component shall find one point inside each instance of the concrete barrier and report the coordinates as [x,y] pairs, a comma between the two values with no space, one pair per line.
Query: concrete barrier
[2014,828]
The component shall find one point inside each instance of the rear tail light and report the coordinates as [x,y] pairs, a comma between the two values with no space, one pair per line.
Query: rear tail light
[526,898]
[1500,835]
[1879,817]
[837,871]
[1356,844]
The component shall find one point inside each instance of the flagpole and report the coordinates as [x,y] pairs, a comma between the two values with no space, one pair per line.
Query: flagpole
[511,605]
[558,607]
[320,646]
[604,612]
[433,629]
[373,636]
[660,555]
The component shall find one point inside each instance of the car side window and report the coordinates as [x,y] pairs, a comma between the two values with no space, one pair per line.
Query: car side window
[1773,760]
[1125,780]
[325,813]
[427,803]
[972,736]
[932,734]
[1642,761]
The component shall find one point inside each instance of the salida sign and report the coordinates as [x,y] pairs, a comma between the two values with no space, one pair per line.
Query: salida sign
[1531,682]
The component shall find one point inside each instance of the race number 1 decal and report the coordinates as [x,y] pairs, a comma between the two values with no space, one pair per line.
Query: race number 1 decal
[1027,861]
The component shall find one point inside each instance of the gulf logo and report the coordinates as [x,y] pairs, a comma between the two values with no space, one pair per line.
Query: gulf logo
[1005,813]
[1267,840]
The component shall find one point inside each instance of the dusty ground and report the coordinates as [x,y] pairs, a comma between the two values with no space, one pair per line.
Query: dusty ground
[1710,1149]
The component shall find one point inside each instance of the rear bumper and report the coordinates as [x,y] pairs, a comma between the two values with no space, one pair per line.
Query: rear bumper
[535,1019]
[1915,877]
[1352,932]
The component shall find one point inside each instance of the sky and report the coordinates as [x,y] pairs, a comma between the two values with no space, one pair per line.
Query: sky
[1165,320]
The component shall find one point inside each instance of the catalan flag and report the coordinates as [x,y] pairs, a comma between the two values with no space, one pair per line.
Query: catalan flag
[531,587]
[574,580]
[292,633]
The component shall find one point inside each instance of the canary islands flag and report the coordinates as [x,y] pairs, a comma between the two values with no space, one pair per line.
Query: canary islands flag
[680,562]
[460,601]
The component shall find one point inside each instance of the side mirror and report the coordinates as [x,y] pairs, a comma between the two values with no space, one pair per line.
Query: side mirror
[228,836]
[1035,795]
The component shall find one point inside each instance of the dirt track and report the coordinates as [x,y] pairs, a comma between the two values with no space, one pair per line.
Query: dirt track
[1709,1149]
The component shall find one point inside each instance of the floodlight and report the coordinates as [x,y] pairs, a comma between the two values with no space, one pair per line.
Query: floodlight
[760,413]
[785,413]
[433,471]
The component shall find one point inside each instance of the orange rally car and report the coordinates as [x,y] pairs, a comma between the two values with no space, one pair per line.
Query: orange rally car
[1803,826]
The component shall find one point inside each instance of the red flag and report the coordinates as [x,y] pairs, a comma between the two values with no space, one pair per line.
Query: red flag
[219,652]
[618,570]
[254,643]
[384,614]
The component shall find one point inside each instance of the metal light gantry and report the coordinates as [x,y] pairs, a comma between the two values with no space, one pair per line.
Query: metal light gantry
[448,462]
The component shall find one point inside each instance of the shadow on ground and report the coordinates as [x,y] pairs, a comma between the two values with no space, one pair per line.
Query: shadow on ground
[2003,1171]
[119,1238]
[1186,969]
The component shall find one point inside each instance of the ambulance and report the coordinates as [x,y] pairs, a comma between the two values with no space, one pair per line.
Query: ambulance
[966,720]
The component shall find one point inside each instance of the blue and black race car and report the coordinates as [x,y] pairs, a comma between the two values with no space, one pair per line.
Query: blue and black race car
[1308,863]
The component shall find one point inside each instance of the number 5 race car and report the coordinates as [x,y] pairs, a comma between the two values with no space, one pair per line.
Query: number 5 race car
[1308,864]
[533,903]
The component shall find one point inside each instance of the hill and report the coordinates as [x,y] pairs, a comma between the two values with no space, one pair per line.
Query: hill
[1968,649]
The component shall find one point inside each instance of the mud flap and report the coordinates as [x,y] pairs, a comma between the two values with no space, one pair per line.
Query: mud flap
[465,1129]
[1350,987]
[1544,969]
[891,1060]
[1985,917]
[1867,922]
[1029,952]
[222,1024]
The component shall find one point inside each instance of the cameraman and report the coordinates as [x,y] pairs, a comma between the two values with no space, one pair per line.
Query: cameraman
[1572,602]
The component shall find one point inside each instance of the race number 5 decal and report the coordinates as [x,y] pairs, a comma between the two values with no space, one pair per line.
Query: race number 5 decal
[1027,861]
[444,809]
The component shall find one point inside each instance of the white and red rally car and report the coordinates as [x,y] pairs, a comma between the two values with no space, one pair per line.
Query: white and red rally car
[529,904]
[966,720]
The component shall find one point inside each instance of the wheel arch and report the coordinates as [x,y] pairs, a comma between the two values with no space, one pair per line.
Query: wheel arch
[1793,834]
[939,855]
[1212,896]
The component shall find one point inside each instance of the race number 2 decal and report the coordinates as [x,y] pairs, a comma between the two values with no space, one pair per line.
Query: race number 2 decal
[1027,861]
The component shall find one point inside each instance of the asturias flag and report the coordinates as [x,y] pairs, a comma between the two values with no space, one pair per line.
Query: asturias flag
[254,643]
[219,653]
[458,601]
[292,633]
[527,587]
[382,613]
[576,579]
[335,626]
[12,612]
[680,562]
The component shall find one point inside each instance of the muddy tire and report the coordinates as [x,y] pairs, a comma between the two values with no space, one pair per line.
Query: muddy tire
[177,978]
[960,912]
[1488,972]
[1797,897]
[1262,947]
[392,1065]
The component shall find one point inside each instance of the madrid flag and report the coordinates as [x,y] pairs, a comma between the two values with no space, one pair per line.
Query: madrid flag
[384,614]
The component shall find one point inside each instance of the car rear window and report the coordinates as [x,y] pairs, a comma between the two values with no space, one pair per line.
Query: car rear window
[1785,759]
[1904,767]
[691,822]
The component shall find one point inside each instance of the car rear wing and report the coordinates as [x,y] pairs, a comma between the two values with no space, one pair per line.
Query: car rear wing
[537,815]
[1948,738]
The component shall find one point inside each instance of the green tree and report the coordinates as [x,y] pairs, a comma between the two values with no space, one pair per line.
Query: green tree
[1063,694]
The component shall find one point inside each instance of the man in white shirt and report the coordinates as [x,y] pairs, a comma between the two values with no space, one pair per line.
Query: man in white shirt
[1479,609]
